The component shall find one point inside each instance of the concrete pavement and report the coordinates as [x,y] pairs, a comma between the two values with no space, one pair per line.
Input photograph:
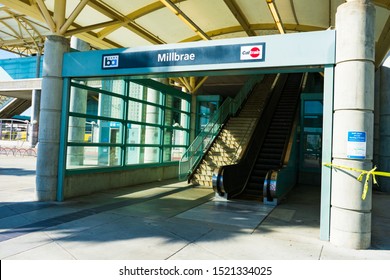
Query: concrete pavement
[168,220]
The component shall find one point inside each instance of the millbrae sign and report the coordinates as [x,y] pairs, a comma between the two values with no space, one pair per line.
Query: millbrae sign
[173,56]
[185,56]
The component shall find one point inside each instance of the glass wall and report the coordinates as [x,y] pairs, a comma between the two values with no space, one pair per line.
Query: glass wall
[311,133]
[119,122]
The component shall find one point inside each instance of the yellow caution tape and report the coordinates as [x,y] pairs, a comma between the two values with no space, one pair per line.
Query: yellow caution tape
[366,173]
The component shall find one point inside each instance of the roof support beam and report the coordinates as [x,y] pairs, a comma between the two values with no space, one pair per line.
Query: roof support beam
[144,33]
[59,14]
[15,33]
[36,38]
[239,15]
[263,26]
[294,11]
[125,22]
[35,13]
[46,15]
[185,18]
[21,7]
[199,83]
[111,13]
[22,51]
[133,16]
[18,41]
[8,34]
[88,28]
[191,84]
[91,38]
[383,44]
[73,16]
[382,3]
[276,16]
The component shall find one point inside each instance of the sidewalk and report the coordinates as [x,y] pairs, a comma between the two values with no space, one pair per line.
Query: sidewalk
[167,220]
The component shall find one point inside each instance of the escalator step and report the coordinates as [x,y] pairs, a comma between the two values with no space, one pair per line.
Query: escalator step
[263,166]
[271,152]
[258,173]
[254,187]
[271,162]
[270,156]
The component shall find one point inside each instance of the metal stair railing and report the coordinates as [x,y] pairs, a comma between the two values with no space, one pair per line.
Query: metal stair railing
[4,101]
[195,152]
[203,141]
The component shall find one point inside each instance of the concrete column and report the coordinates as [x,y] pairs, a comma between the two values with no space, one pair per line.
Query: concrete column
[35,104]
[193,118]
[184,121]
[353,112]
[152,134]
[104,109]
[50,115]
[384,127]
[168,121]
[78,104]
[377,118]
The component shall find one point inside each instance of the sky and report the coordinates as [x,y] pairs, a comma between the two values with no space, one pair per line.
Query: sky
[387,61]
[5,54]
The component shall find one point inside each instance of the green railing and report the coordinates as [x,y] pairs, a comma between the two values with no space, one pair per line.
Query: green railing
[204,140]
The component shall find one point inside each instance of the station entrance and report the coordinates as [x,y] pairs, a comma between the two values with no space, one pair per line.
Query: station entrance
[125,119]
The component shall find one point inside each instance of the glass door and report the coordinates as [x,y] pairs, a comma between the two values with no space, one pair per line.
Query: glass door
[311,135]
[206,106]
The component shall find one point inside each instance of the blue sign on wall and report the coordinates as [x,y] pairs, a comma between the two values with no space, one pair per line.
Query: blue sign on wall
[186,56]
[357,145]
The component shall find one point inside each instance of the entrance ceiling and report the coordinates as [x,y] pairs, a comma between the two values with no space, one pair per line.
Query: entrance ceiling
[122,23]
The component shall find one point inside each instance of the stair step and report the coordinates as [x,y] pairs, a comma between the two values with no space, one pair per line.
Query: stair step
[202,177]
[202,183]
[220,149]
[206,168]
[204,173]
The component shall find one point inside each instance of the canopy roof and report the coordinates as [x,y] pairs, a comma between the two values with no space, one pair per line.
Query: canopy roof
[109,24]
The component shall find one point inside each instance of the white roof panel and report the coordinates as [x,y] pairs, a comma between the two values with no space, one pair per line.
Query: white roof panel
[206,14]
[256,11]
[168,26]
[127,39]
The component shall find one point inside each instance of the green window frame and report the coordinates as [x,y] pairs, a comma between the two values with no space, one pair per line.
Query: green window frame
[122,128]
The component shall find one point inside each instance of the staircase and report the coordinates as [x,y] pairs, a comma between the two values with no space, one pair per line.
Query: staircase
[235,135]
[14,107]
[272,151]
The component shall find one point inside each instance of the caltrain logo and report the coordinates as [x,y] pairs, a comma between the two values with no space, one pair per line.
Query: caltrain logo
[252,52]
[110,61]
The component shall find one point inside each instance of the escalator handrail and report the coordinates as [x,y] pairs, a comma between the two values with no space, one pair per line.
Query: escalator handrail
[203,141]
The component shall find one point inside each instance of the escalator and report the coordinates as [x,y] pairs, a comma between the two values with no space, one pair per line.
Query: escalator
[234,136]
[268,145]
[15,107]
